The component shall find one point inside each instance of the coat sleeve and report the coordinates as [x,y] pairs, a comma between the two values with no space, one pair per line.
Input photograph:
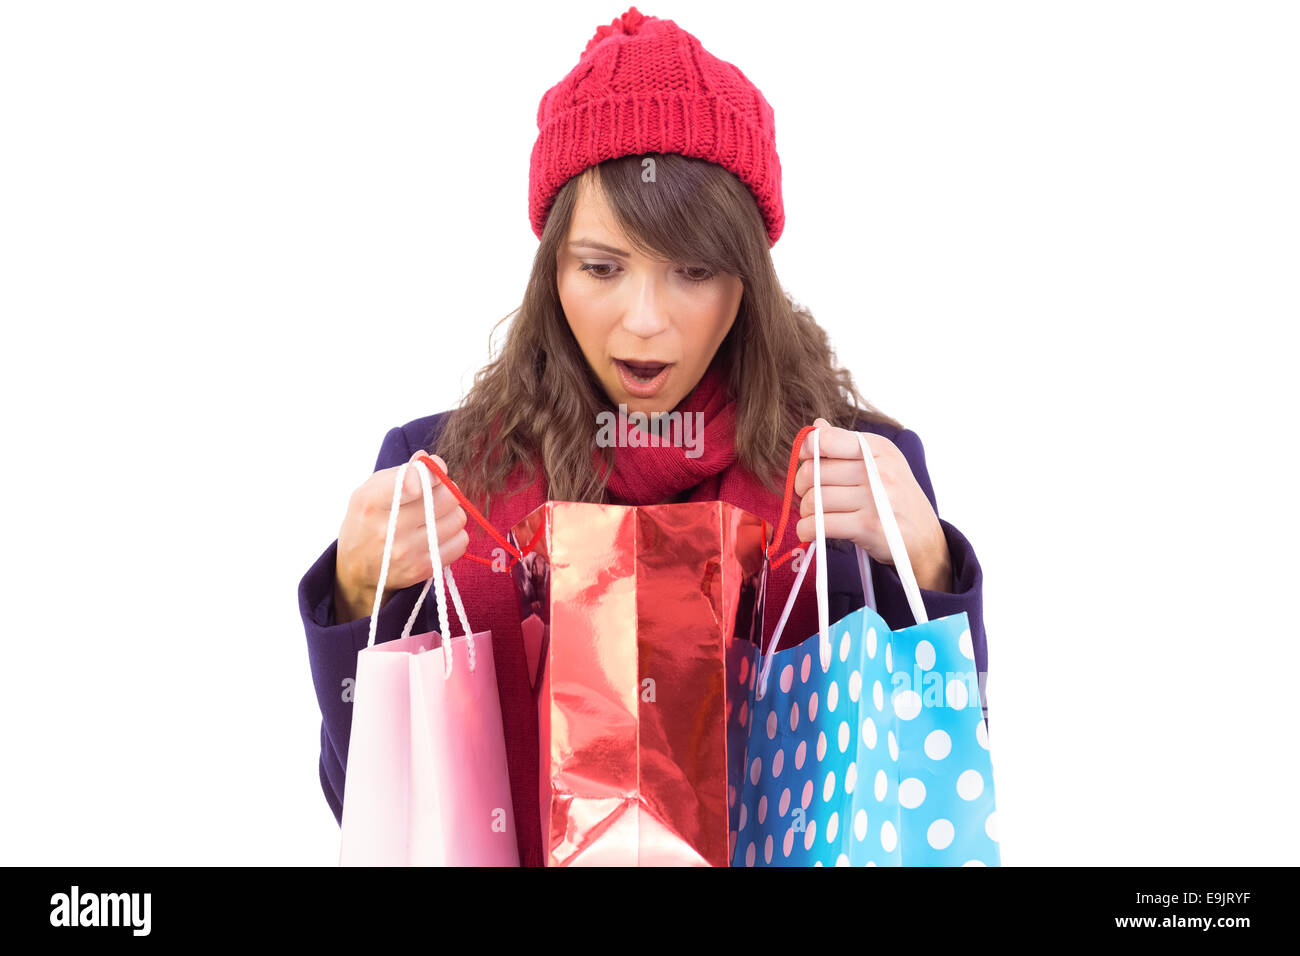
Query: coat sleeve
[968,579]
[332,648]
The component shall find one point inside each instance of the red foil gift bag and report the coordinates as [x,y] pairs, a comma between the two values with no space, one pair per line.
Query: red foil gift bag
[639,623]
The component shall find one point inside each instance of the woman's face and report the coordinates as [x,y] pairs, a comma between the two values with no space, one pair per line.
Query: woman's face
[665,318]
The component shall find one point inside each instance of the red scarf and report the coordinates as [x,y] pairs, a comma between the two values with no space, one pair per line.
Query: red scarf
[641,475]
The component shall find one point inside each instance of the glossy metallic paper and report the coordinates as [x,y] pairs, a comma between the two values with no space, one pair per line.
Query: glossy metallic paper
[640,623]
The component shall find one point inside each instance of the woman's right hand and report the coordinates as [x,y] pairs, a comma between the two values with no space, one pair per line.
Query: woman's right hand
[361,539]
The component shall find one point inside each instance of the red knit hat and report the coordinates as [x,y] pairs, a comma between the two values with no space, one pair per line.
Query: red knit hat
[644,85]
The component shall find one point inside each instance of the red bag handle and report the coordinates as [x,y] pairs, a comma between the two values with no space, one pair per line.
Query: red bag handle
[517,555]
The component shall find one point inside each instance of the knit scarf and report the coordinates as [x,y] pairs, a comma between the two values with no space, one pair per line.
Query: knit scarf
[640,476]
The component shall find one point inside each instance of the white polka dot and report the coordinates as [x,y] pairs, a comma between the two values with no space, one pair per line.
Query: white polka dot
[842,860]
[744,815]
[845,733]
[888,836]
[860,825]
[973,863]
[970,785]
[821,745]
[882,785]
[991,826]
[818,863]
[893,746]
[937,744]
[869,733]
[744,669]
[940,834]
[828,789]
[799,753]
[749,854]
[744,709]
[851,777]
[956,694]
[771,724]
[889,658]
[871,642]
[788,843]
[982,734]
[832,827]
[794,716]
[755,769]
[767,849]
[871,863]
[784,805]
[778,763]
[855,685]
[832,696]
[731,845]
[812,706]
[907,704]
[806,798]
[877,696]
[787,678]
[924,655]
[731,795]
[762,809]
[965,646]
[810,835]
[911,792]
[805,668]
[845,642]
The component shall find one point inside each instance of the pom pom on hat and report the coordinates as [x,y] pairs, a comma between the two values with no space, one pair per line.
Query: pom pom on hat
[627,25]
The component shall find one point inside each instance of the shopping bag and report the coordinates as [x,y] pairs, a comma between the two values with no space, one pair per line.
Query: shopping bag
[866,745]
[637,622]
[427,780]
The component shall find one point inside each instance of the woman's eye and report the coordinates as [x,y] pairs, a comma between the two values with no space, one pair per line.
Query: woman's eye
[604,271]
[591,267]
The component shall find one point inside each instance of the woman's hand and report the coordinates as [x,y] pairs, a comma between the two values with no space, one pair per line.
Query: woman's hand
[361,539]
[850,509]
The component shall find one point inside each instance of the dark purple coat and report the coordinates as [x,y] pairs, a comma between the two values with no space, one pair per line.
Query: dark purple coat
[332,648]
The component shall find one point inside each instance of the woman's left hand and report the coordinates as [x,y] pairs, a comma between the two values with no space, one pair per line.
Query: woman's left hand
[850,509]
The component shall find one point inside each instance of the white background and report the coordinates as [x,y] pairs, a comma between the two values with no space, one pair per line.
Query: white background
[239,241]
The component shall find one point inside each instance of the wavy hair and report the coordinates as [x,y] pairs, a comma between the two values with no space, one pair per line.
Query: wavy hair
[537,398]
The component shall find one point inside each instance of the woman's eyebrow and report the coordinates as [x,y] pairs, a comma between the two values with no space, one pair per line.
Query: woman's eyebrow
[593,244]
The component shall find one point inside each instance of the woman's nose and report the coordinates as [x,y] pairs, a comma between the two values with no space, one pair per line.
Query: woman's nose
[645,315]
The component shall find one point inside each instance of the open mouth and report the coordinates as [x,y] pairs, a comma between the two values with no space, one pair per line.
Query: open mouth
[643,371]
[643,379]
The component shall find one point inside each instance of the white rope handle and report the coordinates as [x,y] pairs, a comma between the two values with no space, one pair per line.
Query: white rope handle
[897,550]
[893,537]
[388,551]
[818,548]
[436,579]
[440,593]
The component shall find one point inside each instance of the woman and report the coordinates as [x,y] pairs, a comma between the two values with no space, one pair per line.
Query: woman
[655,191]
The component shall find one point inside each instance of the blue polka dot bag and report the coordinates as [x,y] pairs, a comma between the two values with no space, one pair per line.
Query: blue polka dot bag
[866,746]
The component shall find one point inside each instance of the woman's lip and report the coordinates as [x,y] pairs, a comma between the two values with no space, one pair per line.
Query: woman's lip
[643,389]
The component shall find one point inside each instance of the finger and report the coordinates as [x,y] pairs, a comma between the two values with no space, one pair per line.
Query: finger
[842,526]
[837,499]
[835,471]
[833,442]
[450,524]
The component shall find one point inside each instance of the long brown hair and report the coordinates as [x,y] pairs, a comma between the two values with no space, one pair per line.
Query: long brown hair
[539,398]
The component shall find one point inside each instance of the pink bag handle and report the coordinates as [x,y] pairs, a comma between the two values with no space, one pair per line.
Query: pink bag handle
[436,579]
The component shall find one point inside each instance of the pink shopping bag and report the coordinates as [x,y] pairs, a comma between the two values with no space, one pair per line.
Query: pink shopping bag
[427,781]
